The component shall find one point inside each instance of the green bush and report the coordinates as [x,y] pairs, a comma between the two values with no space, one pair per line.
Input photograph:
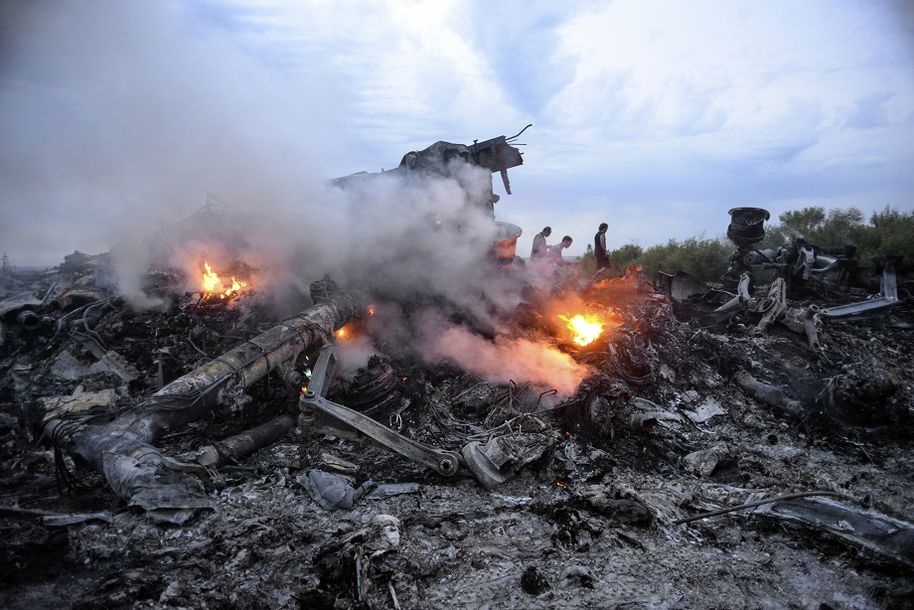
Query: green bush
[704,258]
[886,232]
[626,256]
[589,260]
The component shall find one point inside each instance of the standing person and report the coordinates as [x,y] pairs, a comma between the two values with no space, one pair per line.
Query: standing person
[599,247]
[539,243]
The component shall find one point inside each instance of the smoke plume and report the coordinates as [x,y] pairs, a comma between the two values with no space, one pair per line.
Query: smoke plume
[117,119]
[502,359]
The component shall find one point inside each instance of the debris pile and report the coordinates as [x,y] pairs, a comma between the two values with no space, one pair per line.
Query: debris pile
[216,453]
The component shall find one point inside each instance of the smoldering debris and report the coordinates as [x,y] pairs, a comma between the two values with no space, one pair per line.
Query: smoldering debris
[406,440]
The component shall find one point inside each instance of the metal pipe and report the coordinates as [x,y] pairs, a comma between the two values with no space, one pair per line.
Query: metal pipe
[769,394]
[28,319]
[122,449]
[190,397]
[244,444]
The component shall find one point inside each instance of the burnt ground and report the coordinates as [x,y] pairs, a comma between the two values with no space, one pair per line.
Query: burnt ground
[590,523]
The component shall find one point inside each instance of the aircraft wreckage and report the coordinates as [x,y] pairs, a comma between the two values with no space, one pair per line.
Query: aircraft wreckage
[737,445]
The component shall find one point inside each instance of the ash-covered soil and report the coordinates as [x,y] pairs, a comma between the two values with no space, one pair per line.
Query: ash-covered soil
[660,431]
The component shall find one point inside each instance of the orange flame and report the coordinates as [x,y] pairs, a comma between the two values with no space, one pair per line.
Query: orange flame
[343,333]
[213,284]
[211,280]
[585,328]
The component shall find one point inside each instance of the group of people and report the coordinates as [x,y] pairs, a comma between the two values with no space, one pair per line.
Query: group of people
[543,253]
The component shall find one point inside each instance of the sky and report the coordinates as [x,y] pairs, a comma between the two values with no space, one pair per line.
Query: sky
[655,117]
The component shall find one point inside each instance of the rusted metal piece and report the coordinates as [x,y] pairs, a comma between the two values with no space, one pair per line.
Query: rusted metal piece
[682,286]
[498,156]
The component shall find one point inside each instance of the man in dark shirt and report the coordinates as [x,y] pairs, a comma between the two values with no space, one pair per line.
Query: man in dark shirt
[599,247]
[539,243]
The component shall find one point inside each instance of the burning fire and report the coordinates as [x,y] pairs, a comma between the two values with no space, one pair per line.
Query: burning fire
[343,333]
[214,285]
[586,328]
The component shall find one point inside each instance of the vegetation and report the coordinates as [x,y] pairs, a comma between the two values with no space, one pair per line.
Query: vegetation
[589,261]
[886,232]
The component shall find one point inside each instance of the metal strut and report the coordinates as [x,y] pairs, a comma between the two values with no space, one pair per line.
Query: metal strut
[445,463]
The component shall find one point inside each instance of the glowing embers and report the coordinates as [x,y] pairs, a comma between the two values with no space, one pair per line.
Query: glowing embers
[585,328]
[215,287]
[354,329]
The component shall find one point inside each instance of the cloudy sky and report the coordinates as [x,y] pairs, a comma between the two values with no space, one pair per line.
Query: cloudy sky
[655,117]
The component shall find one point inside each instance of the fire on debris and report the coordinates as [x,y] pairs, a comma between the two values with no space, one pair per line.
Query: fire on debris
[585,328]
[506,434]
[214,286]
[345,332]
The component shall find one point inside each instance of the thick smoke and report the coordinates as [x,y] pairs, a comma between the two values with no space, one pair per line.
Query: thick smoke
[117,118]
[504,359]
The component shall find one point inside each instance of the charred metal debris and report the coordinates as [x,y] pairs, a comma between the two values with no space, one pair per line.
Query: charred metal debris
[732,446]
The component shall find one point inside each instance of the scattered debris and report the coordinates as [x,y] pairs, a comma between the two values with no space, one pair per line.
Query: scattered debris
[213,453]
[331,491]
[239,446]
[703,463]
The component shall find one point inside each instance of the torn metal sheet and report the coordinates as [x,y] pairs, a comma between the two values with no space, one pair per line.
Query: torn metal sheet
[24,300]
[888,298]
[331,491]
[704,462]
[683,286]
[67,366]
[79,402]
[704,411]
[884,535]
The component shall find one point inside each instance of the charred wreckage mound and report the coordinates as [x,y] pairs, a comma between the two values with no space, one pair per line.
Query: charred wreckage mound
[677,445]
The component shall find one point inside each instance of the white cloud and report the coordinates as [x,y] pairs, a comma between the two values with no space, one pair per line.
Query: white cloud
[752,74]
[412,79]
[657,115]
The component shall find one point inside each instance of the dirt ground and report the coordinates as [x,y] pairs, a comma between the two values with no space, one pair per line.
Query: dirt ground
[589,523]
